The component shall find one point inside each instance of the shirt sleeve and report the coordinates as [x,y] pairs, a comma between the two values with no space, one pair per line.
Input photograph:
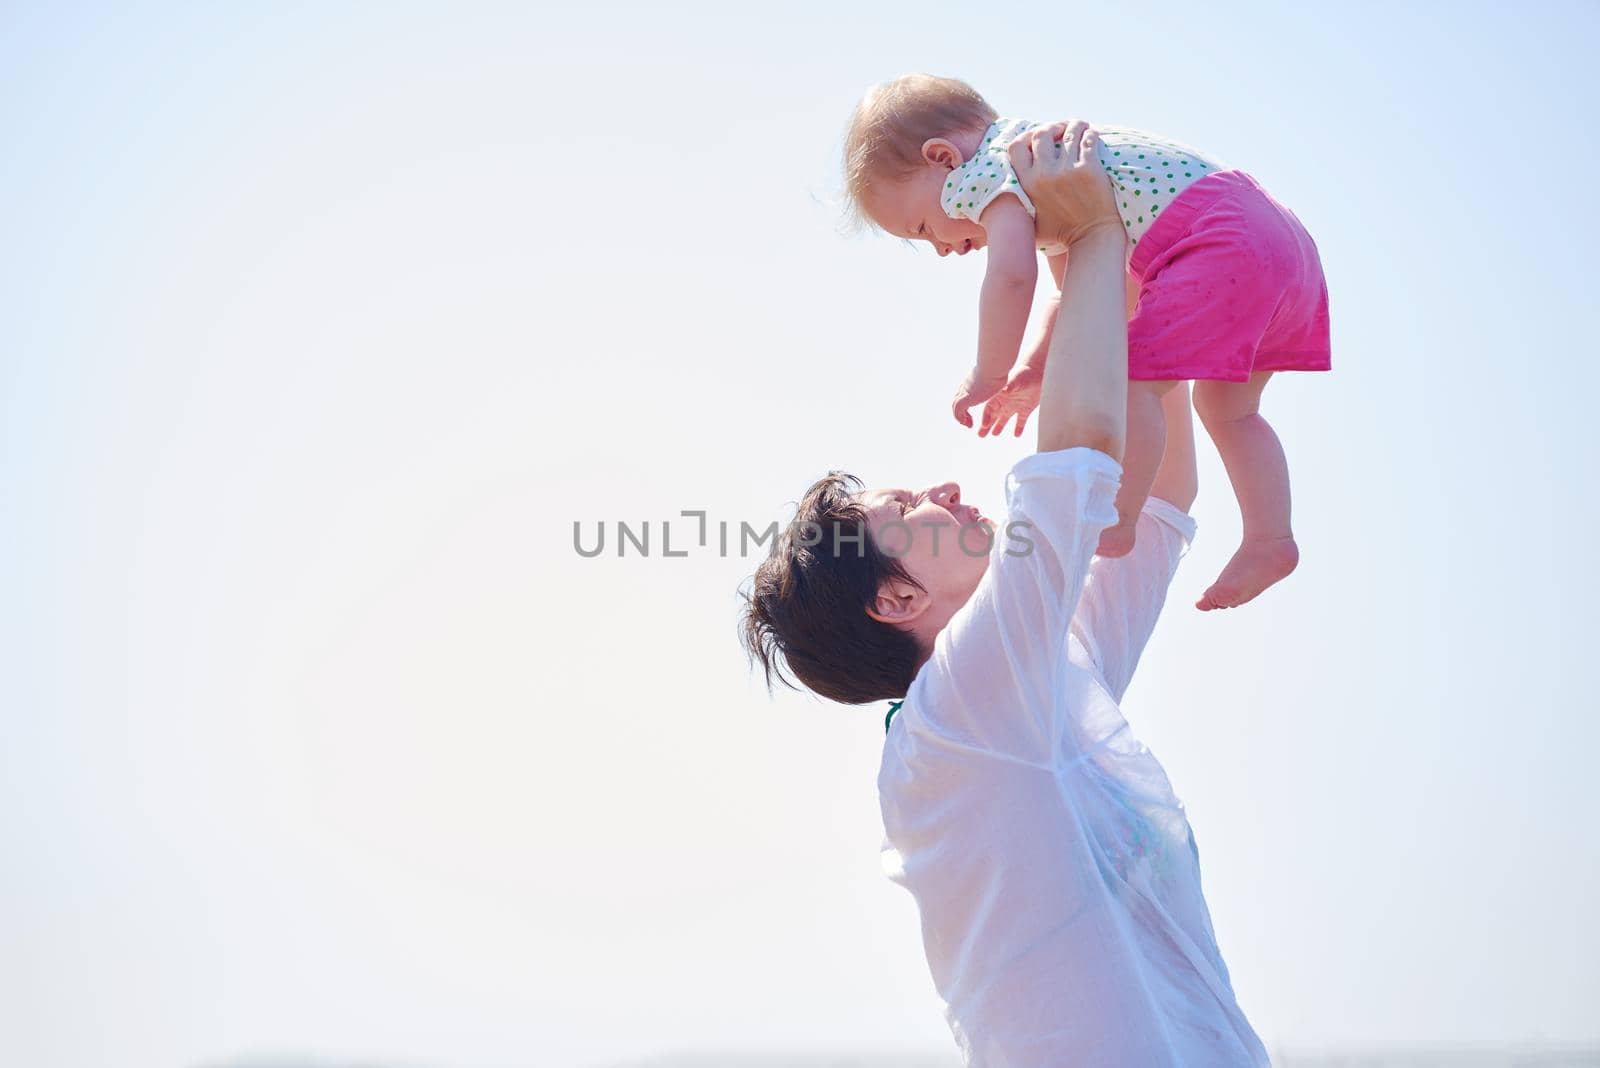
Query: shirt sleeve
[1123,597]
[975,184]
[993,680]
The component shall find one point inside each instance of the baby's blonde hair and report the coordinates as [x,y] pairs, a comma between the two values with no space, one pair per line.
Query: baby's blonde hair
[890,125]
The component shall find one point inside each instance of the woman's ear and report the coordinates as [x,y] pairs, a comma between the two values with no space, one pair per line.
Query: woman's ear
[942,153]
[898,602]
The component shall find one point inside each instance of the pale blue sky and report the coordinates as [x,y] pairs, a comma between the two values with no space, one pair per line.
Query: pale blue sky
[318,330]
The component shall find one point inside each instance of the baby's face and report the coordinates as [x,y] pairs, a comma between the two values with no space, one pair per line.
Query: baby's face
[910,209]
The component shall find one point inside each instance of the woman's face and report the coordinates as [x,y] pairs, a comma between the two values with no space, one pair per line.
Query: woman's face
[941,542]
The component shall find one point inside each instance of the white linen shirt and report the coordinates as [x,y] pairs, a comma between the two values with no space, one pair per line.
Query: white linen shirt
[1053,869]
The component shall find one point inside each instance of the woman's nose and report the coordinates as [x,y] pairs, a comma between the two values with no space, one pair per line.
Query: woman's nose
[944,250]
[947,495]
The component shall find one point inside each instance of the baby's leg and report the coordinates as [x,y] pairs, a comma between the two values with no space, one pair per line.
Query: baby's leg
[1260,477]
[1141,457]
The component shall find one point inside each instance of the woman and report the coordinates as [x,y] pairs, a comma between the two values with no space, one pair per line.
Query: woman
[1054,870]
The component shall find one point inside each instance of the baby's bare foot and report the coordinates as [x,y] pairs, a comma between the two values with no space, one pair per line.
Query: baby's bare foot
[1258,563]
[1117,540]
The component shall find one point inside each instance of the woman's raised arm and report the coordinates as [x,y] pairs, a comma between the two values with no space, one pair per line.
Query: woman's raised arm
[1084,399]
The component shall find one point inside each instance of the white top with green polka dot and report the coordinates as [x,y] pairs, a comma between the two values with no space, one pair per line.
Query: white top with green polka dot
[1148,173]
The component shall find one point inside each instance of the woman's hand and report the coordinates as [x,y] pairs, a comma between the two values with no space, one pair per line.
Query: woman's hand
[1019,398]
[1083,401]
[1059,167]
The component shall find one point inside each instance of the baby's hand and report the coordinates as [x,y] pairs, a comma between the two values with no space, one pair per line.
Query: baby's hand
[1019,398]
[976,389]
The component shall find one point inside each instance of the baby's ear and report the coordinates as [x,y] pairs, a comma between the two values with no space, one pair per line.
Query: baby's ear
[942,153]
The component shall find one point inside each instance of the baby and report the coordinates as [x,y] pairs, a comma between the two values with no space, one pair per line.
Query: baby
[1229,285]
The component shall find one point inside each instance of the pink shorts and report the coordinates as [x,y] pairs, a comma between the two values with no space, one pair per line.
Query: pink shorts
[1229,284]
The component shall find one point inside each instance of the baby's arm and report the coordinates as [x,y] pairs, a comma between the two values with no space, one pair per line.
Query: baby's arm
[1008,283]
[1034,357]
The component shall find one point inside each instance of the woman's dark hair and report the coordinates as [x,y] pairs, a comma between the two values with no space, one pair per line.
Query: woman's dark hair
[805,611]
